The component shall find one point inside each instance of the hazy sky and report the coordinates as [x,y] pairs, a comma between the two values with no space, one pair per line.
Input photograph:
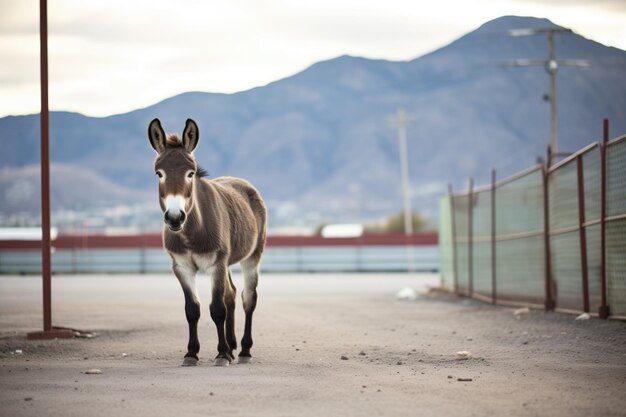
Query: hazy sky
[112,56]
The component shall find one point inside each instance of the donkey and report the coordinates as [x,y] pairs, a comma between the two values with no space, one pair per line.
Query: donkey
[209,225]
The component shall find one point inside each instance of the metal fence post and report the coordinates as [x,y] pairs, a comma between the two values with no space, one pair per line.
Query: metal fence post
[493,237]
[49,331]
[549,301]
[455,268]
[603,311]
[46,248]
[582,232]
[549,157]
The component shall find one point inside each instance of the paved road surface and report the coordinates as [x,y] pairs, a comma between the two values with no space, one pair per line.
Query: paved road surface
[400,354]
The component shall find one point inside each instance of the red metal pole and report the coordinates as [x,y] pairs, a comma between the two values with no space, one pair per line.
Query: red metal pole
[46,270]
[582,232]
[549,157]
[493,237]
[45,170]
[549,302]
[470,230]
[603,311]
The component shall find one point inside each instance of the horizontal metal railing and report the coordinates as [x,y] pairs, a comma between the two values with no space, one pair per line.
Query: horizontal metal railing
[144,253]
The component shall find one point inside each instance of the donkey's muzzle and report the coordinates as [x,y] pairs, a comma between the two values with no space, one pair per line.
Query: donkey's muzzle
[174,219]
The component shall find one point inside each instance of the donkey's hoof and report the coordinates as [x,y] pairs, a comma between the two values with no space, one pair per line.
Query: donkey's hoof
[189,361]
[219,361]
[245,359]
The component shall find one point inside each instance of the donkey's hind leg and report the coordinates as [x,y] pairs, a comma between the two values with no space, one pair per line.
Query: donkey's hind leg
[250,268]
[187,277]
[229,300]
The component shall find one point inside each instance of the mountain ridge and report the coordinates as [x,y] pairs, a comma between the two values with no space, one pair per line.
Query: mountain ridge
[319,145]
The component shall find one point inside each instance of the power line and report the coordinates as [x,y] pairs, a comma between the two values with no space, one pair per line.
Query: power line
[551,65]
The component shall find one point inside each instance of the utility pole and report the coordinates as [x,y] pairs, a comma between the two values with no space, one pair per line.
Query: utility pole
[551,65]
[400,120]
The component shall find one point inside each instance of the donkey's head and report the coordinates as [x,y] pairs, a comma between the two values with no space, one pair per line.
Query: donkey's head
[176,168]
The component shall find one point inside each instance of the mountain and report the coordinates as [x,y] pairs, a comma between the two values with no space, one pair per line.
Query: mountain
[319,144]
[77,187]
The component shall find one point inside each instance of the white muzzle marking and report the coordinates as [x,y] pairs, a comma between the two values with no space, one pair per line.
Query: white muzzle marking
[175,204]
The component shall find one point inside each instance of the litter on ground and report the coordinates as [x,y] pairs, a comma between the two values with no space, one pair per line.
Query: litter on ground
[406,293]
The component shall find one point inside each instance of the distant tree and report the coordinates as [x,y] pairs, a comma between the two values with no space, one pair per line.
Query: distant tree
[395,224]
[319,228]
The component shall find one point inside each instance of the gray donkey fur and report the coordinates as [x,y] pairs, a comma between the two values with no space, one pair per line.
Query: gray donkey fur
[209,225]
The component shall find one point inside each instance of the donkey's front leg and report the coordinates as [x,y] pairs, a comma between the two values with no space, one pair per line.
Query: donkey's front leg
[221,292]
[187,277]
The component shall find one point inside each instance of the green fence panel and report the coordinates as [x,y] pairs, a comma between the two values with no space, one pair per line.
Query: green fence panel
[461,218]
[445,244]
[519,205]
[565,232]
[616,227]
[616,266]
[520,269]
[520,245]
[481,241]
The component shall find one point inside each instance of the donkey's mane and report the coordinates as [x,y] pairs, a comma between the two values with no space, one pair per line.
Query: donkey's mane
[173,141]
[201,172]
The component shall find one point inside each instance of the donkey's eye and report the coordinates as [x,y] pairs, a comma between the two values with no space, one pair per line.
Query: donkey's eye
[159,174]
[190,174]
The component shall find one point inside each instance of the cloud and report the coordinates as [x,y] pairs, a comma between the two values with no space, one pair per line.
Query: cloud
[115,56]
[608,5]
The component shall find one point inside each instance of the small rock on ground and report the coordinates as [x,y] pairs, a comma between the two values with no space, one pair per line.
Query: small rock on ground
[463,355]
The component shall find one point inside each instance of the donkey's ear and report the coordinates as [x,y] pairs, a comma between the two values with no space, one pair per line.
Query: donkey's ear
[156,135]
[191,136]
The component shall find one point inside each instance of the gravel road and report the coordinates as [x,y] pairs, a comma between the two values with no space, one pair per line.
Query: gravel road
[325,345]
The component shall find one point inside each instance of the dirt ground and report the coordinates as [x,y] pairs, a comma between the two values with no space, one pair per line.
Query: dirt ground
[398,356]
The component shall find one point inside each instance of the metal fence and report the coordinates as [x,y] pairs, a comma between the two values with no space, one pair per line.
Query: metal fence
[548,237]
[144,254]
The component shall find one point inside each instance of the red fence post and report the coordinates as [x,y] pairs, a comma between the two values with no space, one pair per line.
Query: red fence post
[46,247]
[549,157]
[603,311]
[582,232]
[493,237]
[549,301]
